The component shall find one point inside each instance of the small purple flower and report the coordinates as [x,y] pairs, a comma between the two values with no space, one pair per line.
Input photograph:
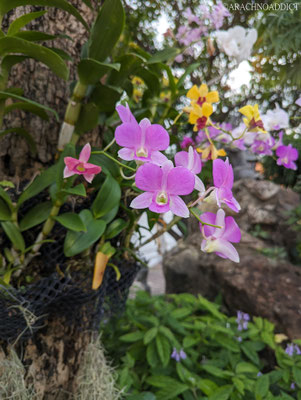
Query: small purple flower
[223,181]
[298,102]
[192,161]
[186,142]
[141,141]
[163,188]
[218,240]
[292,349]
[242,320]
[178,355]
[286,156]
[259,374]
[293,386]
[239,339]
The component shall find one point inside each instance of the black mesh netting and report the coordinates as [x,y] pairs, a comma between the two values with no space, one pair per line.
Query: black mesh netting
[66,293]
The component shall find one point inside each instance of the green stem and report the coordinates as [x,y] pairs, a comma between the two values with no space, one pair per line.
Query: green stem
[3,83]
[202,222]
[113,159]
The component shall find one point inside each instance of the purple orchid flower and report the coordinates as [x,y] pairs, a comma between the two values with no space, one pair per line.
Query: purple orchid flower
[223,181]
[279,141]
[298,102]
[262,147]
[141,141]
[192,161]
[191,17]
[81,166]
[218,14]
[178,355]
[286,156]
[186,142]
[163,188]
[218,240]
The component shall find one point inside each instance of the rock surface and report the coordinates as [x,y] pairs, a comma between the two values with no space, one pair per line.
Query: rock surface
[259,285]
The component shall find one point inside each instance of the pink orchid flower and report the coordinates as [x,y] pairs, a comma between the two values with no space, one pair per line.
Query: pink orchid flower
[286,156]
[223,181]
[218,240]
[163,186]
[141,141]
[192,161]
[81,166]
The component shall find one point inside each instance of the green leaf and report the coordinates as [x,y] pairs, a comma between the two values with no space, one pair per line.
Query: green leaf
[215,371]
[105,97]
[90,71]
[36,215]
[142,396]
[262,385]
[14,235]
[297,375]
[163,55]
[129,64]
[244,368]
[187,72]
[5,196]
[223,393]
[71,221]
[211,307]
[107,198]
[20,105]
[108,166]
[152,355]
[115,228]
[110,215]
[150,79]
[5,214]
[268,338]
[32,105]
[78,190]
[132,337]
[11,44]
[9,61]
[7,5]
[18,23]
[250,352]
[7,184]
[77,242]
[150,335]
[207,386]
[88,118]
[168,333]
[21,132]
[171,392]
[163,348]
[238,383]
[106,30]
[34,36]
[161,381]
[180,313]
[40,183]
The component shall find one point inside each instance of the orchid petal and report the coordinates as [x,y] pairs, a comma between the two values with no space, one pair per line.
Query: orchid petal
[142,201]
[232,232]
[149,177]
[209,218]
[71,162]
[178,207]
[68,172]
[222,173]
[226,249]
[198,184]
[85,153]
[125,114]
[158,158]
[126,154]
[180,181]
[181,159]
[128,135]
[157,138]
[220,221]
[89,177]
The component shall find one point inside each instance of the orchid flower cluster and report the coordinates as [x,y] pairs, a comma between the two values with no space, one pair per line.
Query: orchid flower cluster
[262,135]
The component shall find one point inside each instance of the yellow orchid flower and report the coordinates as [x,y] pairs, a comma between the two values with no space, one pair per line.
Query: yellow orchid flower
[252,121]
[211,152]
[200,95]
[199,115]
[137,94]
[136,81]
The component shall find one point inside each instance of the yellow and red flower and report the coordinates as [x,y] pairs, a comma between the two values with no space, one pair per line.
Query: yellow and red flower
[253,120]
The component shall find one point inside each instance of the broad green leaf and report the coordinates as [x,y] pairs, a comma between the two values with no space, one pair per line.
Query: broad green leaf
[106,30]
[78,190]
[211,307]
[171,392]
[88,118]
[105,97]
[161,381]
[168,333]
[5,214]
[36,215]
[187,72]
[7,95]
[215,371]
[9,61]
[77,242]
[297,375]
[163,55]
[108,166]
[250,352]
[40,183]
[180,313]
[5,196]
[152,354]
[142,396]
[163,348]
[190,341]
[129,64]
[207,386]
[24,106]
[7,184]
[238,383]
[223,393]
[90,71]
[150,335]
[150,79]
[11,44]
[244,368]
[262,385]
[34,36]
[110,215]
[7,5]
[107,198]
[21,132]
[132,337]
[14,235]
[117,226]
[18,23]
[71,221]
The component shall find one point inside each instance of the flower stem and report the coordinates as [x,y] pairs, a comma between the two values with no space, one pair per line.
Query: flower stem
[202,222]
[113,159]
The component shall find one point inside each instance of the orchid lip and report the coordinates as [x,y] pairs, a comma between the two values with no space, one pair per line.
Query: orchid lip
[142,152]
[162,198]
[80,168]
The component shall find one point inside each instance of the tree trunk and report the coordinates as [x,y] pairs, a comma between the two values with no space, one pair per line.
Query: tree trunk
[41,85]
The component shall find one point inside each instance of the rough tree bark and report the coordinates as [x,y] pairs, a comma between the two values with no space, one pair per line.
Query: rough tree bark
[53,356]
[41,85]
